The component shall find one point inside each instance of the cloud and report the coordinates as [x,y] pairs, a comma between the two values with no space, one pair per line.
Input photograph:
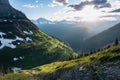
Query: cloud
[30,6]
[60,2]
[96,10]
[51,5]
[36,1]
[97,4]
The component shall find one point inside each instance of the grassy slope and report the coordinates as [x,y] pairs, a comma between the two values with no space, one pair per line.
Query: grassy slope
[111,54]
[43,49]
[17,77]
[108,55]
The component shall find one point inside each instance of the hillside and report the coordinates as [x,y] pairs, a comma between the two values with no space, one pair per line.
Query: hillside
[102,65]
[23,45]
[73,33]
[102,39]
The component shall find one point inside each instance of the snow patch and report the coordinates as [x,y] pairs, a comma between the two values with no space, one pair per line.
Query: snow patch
[5,20]
[16,69]
[26,32]
[18,38]
[31,32]
[28,39]
[21,57]
[1,33]
[15,59]
[8,42]
[18,43]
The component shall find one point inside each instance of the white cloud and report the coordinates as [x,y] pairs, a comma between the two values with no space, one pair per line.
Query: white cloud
[51,5]
[70,14]
[36,1]
[30,6]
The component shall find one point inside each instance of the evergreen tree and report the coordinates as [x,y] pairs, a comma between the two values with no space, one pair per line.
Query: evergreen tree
[116,42]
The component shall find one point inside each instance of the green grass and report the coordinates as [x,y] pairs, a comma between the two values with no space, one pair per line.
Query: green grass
[108,55]
[13,76]
[42,50]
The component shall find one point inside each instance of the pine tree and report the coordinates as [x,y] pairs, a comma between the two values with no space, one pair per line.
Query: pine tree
[116,42]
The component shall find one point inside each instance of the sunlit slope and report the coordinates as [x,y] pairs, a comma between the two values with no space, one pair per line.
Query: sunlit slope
[23,45]
[108,58]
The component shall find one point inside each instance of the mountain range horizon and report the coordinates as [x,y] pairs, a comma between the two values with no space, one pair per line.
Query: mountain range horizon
[59,50]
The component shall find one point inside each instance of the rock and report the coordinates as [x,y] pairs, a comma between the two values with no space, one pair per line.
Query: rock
[92,72]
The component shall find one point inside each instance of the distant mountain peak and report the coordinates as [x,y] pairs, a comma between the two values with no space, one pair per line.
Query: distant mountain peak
[44,21]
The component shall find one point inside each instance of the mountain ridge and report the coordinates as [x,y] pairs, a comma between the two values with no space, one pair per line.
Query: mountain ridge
[75,33]
[102,39]
[22,42]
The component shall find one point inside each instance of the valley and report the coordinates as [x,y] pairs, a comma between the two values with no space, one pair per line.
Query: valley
[71,46]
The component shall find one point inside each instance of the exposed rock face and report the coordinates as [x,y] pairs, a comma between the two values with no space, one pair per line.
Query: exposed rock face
[108,71]
[8,12]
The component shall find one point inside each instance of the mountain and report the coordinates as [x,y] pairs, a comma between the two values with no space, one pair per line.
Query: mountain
[73,33]
[102,65]
[41,21]
[102,39]
[23,45]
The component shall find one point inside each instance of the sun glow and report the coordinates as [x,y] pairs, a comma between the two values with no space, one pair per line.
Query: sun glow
[89,13]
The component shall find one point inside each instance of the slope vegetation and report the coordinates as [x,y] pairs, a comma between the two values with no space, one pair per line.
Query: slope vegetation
[103,65]
[23,45]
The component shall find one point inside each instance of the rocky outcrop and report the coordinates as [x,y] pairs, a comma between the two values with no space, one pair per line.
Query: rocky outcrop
[107,71]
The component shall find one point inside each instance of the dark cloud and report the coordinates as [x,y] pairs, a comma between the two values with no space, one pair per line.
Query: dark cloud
[99,1]
[97,4]
[61,1]
[117,10]
[102,5]
[81,5]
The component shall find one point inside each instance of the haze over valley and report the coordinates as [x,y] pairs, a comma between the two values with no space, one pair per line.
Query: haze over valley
[59,39]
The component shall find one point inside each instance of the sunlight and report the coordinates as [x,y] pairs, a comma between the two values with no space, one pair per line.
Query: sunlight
[88,13]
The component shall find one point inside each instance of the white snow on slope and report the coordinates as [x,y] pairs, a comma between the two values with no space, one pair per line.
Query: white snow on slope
[26,32]
[18,38]
[15,59]
[19,58]
[1,33]
[16,69]
[28,39]
[8,42]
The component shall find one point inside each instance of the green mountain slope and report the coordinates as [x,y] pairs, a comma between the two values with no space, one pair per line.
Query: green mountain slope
[23,45]
[103,65]
[104,38]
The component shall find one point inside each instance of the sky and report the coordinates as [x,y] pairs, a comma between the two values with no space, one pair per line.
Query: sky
[70,10]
